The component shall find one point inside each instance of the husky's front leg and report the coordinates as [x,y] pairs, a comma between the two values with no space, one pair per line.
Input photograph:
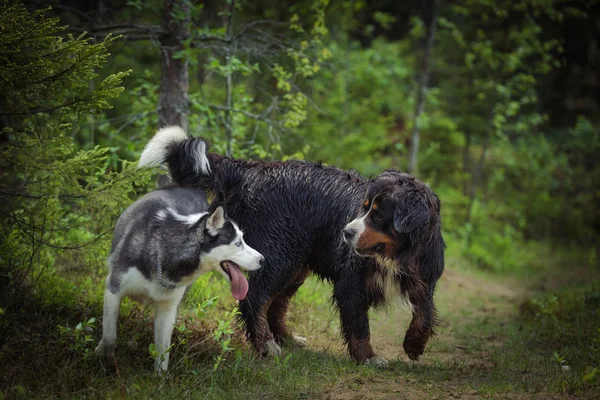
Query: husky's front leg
[112,304]
[164,319]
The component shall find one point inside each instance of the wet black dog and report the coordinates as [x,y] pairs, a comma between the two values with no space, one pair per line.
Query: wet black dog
[376,240]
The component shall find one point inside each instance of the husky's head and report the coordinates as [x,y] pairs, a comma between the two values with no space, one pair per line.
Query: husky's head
[223,248]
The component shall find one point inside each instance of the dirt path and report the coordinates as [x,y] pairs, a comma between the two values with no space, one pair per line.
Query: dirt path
[459,362]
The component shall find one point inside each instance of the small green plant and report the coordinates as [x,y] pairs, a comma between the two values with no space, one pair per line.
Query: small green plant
[184,333]
[546,307]
[558,359]
[591,374]
[202,307]
[222,335]
[155,354]
[80,338]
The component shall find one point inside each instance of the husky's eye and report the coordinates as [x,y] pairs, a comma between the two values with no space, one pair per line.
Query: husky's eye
[238,243]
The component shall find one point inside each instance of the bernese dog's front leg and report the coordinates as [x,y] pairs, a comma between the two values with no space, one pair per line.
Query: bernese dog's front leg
[353,304]
[423,320]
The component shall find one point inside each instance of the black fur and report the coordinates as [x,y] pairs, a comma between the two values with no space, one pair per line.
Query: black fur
[294,213]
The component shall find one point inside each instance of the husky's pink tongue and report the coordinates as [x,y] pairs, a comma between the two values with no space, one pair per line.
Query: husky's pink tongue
[239,284]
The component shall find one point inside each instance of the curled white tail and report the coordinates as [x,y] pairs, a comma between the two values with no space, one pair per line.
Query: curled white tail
[156,151]
[163,143]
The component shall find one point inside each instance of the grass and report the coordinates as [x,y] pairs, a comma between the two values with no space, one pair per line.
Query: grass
[529,334]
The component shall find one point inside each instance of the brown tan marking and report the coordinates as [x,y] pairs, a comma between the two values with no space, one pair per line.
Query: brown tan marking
[279,306]
[371,237]
[262,332]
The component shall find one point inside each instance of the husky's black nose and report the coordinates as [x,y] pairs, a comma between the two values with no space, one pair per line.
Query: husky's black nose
[349,234]
[261,261]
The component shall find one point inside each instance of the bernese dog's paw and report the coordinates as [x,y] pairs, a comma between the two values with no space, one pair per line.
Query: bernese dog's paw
[298,341]
[413,349]
[270,349]
[377,361]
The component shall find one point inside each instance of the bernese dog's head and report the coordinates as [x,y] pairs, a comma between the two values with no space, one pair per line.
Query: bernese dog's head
[398,213]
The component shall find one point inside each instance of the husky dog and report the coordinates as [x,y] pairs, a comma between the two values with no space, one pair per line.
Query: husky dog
[161,244]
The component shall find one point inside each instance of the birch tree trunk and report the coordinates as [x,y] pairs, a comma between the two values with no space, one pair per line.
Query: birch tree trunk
[423,84]
[229,83]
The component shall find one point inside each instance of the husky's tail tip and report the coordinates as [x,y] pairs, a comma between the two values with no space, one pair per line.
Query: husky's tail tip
[173,139]
[156,151]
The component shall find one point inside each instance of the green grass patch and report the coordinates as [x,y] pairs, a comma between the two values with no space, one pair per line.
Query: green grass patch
[498,338]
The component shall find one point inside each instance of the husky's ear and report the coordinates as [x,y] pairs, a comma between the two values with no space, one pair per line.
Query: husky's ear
[216,219]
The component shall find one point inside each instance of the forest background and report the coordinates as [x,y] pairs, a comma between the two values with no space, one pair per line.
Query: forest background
[495,104]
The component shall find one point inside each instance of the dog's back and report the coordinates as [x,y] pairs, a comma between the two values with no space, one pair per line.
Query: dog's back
[184,201]
[132,240]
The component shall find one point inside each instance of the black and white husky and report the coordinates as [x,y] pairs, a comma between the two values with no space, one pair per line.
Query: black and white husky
[161,244]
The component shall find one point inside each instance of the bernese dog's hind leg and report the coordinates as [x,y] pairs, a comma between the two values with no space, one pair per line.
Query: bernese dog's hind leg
[276,315]
[254,313]
[353,304]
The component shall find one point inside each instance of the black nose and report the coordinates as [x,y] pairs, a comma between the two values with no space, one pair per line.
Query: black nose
[261,261]
[349,234]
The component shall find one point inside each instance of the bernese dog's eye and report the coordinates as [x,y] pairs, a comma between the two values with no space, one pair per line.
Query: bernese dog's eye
[377,216]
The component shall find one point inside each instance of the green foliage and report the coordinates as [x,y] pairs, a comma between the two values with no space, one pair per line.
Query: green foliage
[362,127]
[317,81]
[568,323]
[222,335]
[79,339]
[56,198]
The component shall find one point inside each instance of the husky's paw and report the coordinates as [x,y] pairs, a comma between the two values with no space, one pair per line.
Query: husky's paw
[298,341]
[377,361]
[160,368]
[270,349]
[104,350]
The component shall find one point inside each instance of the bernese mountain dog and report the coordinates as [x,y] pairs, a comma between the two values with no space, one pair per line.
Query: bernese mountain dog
[376,240]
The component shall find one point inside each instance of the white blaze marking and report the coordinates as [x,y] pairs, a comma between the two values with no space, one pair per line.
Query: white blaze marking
[388,283]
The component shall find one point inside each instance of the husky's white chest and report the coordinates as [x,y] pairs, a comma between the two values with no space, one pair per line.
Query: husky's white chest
[133,284]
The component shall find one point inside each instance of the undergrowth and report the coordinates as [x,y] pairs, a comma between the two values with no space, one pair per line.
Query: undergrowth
[564,328]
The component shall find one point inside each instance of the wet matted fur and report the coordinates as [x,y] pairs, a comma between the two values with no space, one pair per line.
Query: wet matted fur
[296,214]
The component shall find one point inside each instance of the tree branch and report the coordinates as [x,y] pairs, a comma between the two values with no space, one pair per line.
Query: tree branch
[258,117]
[42,110]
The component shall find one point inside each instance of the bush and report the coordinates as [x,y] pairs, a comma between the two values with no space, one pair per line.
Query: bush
[57,200]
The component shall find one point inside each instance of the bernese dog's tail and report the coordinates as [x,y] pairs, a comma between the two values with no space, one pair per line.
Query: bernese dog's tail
[185,156]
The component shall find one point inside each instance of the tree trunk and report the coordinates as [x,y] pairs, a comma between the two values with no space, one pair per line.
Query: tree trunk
[229,84]
[174,79]
[466,160]
[423,83]
[478,172]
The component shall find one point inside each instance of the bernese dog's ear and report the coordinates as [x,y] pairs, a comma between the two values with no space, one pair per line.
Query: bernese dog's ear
[218,201]
[411,213]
